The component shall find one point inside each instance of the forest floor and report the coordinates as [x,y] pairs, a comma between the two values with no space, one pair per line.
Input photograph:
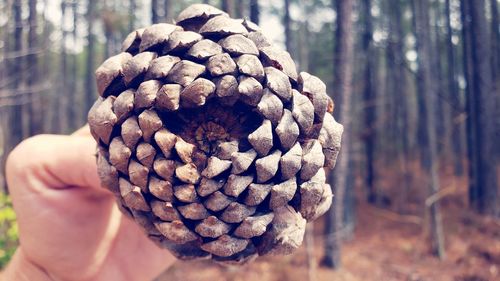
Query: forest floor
[385,246]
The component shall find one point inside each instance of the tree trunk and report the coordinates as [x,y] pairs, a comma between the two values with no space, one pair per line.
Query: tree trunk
[421,109]
[344,55]
[90,68]
[16,110]
[304,46]
[311,259]
[254,11]
[228,6]
[3,36]
[132,6]
[288,28]
[3,152]
[72,91]
[3,113]
[390,110]
[484,194]
[369,133]
[46,63]
[495,60]
[62,97]
[454,94]
[495,43]
[470,97]
[155,17]
[11,111]
[169,11]
[240,9]
[303,37]
[35,110]
[443,113]
[107,22]
[398,87]
[25,92]
[429,91]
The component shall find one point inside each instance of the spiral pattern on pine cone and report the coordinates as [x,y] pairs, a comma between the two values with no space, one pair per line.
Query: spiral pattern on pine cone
[210,139]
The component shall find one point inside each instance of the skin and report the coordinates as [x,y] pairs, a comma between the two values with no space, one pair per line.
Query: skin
[69,226]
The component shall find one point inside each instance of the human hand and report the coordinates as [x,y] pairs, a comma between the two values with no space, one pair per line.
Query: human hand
[69,226]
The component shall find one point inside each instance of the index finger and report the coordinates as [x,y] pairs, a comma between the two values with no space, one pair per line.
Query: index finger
[82,132]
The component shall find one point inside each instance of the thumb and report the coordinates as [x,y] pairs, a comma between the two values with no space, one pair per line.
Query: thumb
[57,161]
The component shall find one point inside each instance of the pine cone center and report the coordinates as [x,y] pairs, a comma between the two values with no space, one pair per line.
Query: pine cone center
[212,125]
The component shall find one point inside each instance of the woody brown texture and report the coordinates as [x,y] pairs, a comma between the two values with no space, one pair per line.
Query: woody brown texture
[210,139]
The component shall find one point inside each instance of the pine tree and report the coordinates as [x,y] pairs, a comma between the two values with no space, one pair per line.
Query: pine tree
[429,90]
[343,54]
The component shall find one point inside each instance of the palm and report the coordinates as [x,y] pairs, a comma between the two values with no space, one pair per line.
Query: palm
[77,233]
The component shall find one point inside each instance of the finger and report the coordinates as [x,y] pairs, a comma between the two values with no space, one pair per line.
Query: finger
[82,132]
[57,161]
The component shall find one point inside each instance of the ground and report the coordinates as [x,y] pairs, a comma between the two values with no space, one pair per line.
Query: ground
[386,245]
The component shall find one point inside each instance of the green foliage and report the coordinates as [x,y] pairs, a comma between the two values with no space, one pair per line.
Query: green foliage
[8,230]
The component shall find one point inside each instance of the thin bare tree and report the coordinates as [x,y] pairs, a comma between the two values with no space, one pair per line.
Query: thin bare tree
[73,89]
[132,6]
[241,9]
[155,15]
[287,23]
[90,60]
[254,11]
[61,99]
[344,61]
[495,58]
[228,6]
[369,100]
[453,92]
[35,115]
[399,88]
[16,110]
[168,10]
[429,90]
[484,195]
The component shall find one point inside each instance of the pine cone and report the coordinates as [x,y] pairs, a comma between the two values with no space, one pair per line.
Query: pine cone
[211,141]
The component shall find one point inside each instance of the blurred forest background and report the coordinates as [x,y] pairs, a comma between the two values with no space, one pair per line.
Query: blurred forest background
[415,82]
